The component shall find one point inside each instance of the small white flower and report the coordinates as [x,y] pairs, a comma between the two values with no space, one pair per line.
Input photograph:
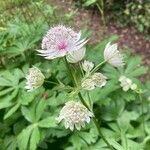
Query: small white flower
[133,86]
[99,79]
[127,83]
[93,81]
[35,79]
[59,41]
[113,56]
[88,84]
[87,66]
[74,115]
[76,56]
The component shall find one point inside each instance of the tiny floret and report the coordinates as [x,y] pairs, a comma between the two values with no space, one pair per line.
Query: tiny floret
[127,83]
[113,56]
[34,78]
[59,41]
[74,115]
[87,66]
[76,56]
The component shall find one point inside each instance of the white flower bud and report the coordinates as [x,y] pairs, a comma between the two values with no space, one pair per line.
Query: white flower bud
[74,115]
[76,56]
[113,56]
[87,66]
[35,79]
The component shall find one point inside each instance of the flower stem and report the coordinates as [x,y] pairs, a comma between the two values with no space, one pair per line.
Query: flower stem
[97,67]
[101,134]
[85,104]
[69,71]
[46,81]
[80,65]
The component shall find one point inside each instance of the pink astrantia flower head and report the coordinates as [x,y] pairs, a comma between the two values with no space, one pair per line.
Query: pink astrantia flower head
[59,41]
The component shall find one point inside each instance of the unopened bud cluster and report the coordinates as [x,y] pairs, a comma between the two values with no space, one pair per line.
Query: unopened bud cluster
[127,83]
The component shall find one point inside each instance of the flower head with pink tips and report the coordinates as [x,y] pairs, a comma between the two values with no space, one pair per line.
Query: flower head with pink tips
[60,41]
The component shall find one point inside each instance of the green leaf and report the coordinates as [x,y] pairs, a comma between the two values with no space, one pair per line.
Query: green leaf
[23,137]
[89,2]
[115,144]
[48,122]
[125,118]
[40,108]
[5,91]
[11,111]
[5,104]
[35,138]
[27,114]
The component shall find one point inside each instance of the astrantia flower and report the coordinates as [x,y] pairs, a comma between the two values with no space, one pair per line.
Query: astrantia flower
[88,84]
[87,66]
[113,56]
[93,81]
[127,83]
[59,41]
[74,115]
[35,79]
[76,56]
[99,79]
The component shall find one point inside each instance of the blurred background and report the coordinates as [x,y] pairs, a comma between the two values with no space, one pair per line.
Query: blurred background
[128,19]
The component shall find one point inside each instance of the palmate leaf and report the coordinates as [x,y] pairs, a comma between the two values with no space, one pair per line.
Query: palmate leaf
[12,92]
[10,142]
[11,111]
[34,114]
[134,68]
[82,139]
[35,138]
[24,136]
[48,122]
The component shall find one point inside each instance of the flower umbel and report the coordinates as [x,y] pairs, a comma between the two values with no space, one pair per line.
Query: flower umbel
[74,115]
[76,56]
[59,41]
[113,56]
[35,79]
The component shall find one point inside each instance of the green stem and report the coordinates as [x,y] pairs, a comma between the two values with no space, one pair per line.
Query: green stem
[85,104]
[99,65]
[80,65]
[69,71]
[51,82]
[101,134]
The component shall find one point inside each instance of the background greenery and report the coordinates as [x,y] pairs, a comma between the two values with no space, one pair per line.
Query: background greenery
[123,12]
[27,120]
